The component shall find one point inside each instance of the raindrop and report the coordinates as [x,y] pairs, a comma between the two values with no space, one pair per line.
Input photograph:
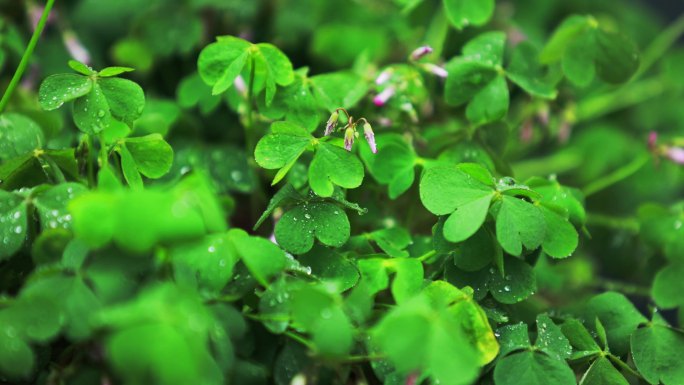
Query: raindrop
[326,314]
[211,249]
[18,229]
[507,288]
[307,216]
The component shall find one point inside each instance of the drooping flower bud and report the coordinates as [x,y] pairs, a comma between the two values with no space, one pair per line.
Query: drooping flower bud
[420,52]
[370,137]
[331,124]
[383,77]
[76,49]
[382,98]
[436,70]
[675,154]
[349,138]
[652,140]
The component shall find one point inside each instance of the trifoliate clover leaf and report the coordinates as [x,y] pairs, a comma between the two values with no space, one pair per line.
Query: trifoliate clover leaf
[408,276]
[334,166]
[148,155]
[460,193]
[331,267]
[263,259]
[473,254]
[515,284]
[477,78]
[97,100]
[585,49]
[393,164]
[580,338]
[603,372]
[430,342]
[619,317]
[668,286]
[19,135]
[206,263]
[536,368]
[463,13]
[81,68]
[664,228]
[298,227]
[281,148]
[525,70]
[220,63]
[518,223]
[657,350]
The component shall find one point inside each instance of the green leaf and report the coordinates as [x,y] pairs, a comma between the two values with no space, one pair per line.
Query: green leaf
[551,340]
[298,227]
[279,68]
[52,205]
[657,350]
[91,112]
[579,337]
[585,50]
[451,190]
[286,194]
[81,68]
[18,135]
[618,315]
[334,166]
[515,285]
[130,169]
[408,279]
[329,266]
[513,338]
[207,263]
[263,258]
[338,89]
[463,13]
[393,241]
[216,61]
[535,368]
[393,164]
[153,156]
[526,71]
[518,224]
[113,71]
[16,357]
[59,89]
[282,147]
[13,223]
[602,372]
[431,341]
[561,237]
[668,286]
[125,98]
[226,80]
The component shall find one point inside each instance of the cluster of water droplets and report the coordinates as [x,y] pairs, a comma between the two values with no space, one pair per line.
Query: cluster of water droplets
[13,221]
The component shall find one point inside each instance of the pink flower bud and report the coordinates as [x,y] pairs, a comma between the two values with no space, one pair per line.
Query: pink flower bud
[652,139]
[240,85]
[349,138]
[436,70]
[383,77]
[420,52]
[370,137]
[331,124]
[675,154]
[75,48]
[382,98]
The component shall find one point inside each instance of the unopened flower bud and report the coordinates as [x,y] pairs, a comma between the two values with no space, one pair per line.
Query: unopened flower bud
[370,137]
[332,123]
[349,138]
[420,52]
[77,50]
[675,154]
[383,77]
[436,70]
[652,139]
[382,98]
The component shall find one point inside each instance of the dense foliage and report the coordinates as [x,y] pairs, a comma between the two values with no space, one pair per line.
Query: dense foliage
[297,192]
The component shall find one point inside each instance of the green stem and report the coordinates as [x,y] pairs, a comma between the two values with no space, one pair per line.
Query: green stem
[249,128]
[617,176]
[618,362]
[27,56]
[628,224]
[630,95]
[661,44]
[427,256]
[299,339]
[623,287]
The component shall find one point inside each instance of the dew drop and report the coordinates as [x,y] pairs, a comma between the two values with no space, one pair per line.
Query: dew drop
[507,288]
[307,216]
